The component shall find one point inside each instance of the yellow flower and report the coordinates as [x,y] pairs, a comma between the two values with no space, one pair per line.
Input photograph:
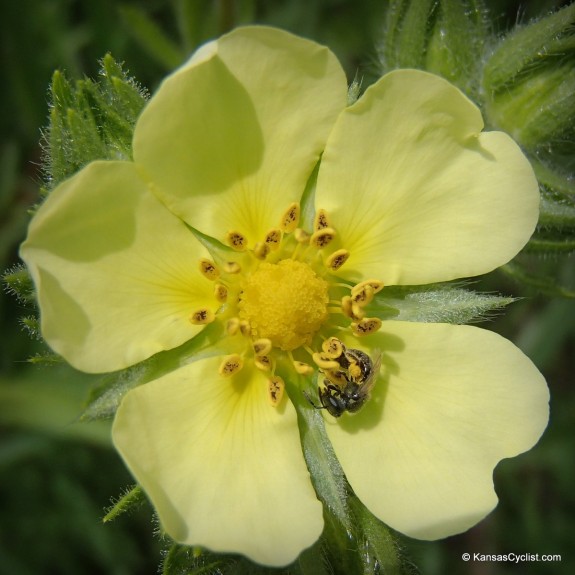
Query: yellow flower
[220,221]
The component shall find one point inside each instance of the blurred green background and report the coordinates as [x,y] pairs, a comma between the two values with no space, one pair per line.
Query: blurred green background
[57,475]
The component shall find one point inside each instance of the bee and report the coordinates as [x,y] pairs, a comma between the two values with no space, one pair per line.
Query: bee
[348,389]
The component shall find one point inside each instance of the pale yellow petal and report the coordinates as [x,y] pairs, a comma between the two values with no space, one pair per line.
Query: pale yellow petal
[416,193]
[230,139]
[116,273]
[223,468]
[451,403]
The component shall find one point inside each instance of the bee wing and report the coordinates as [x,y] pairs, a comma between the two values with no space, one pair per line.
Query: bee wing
[374,375]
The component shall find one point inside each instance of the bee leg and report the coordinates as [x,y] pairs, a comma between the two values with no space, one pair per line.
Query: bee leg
[307,396]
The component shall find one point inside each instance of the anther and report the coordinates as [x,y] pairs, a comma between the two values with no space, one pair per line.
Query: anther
[301,236]
[349,309]
[273,239]
[263,362]
[261,250]
[322,238]
[362,296]
[320,221]
[377,286]
[202,316]
[366,326]
[231,365]
[337,259]
[333,347]
[357,311]
[232,326]
[290,219]
[303,368]
[262,346]
[323,361]
[245,328]
[232,268]
[335,376]
[276,388]
[237,241]
[220,292]
[209,269]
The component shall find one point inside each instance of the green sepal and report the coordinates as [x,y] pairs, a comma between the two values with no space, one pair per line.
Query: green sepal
[407,29]
[90,120]
[446,37]
[436,303]
[529,87]
[31,324]
[353,540]
[457,42]
[186,560]
[18,282]
[46,359]
[105,397]
[131,498]
[554,277]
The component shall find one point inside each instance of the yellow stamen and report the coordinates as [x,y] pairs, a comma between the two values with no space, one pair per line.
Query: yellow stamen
[273,239]
[231,365]
[377,286]
[209,269]
[357,311]
[337,259]
[263,362]
[232,325]
[232,268]
[262,346]
[245,328]
[322,238]
[335,376]
[237,241]
[320,221]
[220,292]
[276,388]
[303,368]
[290,219]
[202,316]
[261,250]
[333,347]
[362,296]
[301,236]
[323,361]
[366,326]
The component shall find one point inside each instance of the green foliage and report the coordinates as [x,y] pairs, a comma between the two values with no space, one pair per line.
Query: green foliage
[446,37]
[90,120]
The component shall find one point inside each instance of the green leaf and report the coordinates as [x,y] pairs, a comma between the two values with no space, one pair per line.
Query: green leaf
[151,37]
[438,304]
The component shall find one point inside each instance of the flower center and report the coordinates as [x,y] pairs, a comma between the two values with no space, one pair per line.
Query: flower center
[285,303]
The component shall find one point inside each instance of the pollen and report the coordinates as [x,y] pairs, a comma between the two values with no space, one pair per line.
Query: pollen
[285,303]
